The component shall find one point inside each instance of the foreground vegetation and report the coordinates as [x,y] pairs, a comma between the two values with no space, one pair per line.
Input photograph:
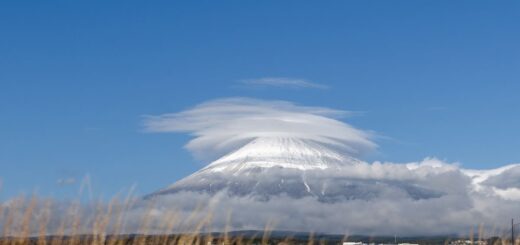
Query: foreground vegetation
[42,222]
[232,239]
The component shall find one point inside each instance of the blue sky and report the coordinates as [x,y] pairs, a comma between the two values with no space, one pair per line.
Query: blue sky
[433,78]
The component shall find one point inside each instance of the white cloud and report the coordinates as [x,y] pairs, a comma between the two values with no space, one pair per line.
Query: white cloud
[220,126]
[282,82]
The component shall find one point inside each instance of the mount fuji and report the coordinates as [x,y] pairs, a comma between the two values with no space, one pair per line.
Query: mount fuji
[298,167]
[293,167]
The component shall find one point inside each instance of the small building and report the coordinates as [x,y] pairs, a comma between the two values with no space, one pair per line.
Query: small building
[353,243]
[467,242]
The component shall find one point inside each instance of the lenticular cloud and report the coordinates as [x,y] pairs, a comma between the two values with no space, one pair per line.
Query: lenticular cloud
[220,126]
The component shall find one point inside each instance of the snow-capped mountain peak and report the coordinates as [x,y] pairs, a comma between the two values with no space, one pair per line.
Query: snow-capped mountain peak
[268,167]
[285,152]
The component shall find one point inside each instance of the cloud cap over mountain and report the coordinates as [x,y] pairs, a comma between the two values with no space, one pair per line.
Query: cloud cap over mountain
[222,125]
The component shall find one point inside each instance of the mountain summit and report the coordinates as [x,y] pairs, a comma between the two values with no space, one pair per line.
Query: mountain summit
[288,153]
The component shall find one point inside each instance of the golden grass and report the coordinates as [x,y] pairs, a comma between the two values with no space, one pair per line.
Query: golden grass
[35,221]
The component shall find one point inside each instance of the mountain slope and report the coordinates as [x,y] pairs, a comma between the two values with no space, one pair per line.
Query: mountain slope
[267,167]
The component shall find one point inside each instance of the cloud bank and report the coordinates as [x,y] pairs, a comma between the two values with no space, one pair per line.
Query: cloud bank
[220,126]
[282,82]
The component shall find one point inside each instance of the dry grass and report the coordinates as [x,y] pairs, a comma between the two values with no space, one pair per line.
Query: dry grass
[38,221]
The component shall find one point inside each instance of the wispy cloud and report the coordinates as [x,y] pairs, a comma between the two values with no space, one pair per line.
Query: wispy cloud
[282,82]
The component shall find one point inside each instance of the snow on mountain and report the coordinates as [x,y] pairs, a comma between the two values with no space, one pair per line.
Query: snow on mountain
[503,182]
[291,153]
[294,167]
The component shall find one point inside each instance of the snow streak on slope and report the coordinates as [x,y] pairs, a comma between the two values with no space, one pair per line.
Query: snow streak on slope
[503,182]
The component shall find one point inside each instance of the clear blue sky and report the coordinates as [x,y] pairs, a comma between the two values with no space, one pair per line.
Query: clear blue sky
[436,78]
